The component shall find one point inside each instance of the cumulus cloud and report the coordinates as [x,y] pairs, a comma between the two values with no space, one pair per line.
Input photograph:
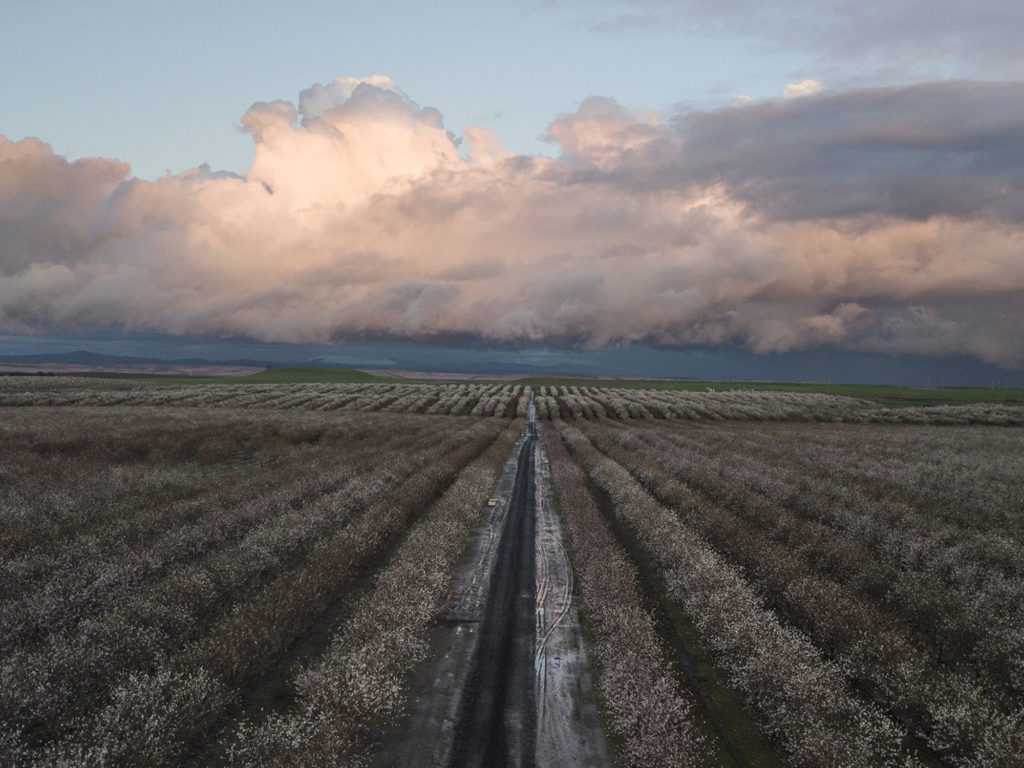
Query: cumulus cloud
[804,87]
[317,99]
[345,141]
[603,132]
[52,210]
[886,219]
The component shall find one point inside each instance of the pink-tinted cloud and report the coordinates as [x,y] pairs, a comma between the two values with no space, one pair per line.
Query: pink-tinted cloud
[832,219]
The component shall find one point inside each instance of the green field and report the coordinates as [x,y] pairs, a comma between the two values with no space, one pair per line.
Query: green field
[883,394]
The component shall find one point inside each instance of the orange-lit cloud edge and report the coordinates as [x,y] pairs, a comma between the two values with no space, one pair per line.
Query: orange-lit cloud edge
[887,220]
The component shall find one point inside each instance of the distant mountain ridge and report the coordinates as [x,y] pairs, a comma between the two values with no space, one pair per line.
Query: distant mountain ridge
[82,357]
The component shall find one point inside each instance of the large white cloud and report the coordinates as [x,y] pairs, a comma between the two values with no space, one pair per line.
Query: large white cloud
[833,219]
[355,138]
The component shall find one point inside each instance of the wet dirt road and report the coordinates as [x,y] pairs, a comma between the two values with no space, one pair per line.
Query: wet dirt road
[508,679]
[496,720]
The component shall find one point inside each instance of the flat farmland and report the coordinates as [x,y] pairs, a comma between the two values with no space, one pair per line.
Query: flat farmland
[164,567]
[853,591]
[502,400]
[326,574]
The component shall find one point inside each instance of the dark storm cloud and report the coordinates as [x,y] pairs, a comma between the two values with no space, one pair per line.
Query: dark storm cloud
[936,149]
[918,151]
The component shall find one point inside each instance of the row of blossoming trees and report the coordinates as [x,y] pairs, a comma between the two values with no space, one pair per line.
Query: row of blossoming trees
[573,403]
[163,567]
[500,400]
[252,585]
[859,587]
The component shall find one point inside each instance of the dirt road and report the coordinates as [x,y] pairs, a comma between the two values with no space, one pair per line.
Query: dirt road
[508,682]
[496,721]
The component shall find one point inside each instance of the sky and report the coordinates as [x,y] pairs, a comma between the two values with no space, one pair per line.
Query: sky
[163,85]
[798,178]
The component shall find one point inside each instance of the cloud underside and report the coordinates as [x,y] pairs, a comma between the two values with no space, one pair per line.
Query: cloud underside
[887,219]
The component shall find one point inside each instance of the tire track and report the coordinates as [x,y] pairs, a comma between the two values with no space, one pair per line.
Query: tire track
[495,725]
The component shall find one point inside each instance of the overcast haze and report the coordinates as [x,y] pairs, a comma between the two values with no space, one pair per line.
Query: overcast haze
[826,178]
